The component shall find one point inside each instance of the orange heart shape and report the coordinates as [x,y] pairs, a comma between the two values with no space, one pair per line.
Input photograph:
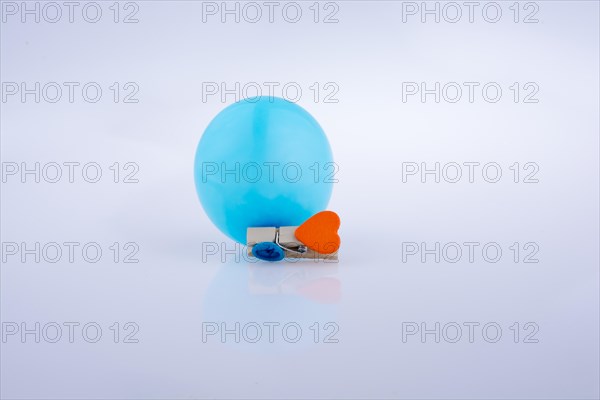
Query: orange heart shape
[319,232]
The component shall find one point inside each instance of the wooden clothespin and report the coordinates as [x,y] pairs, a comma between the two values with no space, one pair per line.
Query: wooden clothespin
[316,238]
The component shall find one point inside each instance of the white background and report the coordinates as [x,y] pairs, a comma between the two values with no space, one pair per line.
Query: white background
[372,292]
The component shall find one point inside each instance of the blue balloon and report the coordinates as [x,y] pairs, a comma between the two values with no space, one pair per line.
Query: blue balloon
[263,161]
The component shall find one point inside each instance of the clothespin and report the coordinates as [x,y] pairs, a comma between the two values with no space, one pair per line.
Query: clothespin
[316,238]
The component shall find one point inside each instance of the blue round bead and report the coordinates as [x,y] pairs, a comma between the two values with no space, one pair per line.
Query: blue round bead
[268,251]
